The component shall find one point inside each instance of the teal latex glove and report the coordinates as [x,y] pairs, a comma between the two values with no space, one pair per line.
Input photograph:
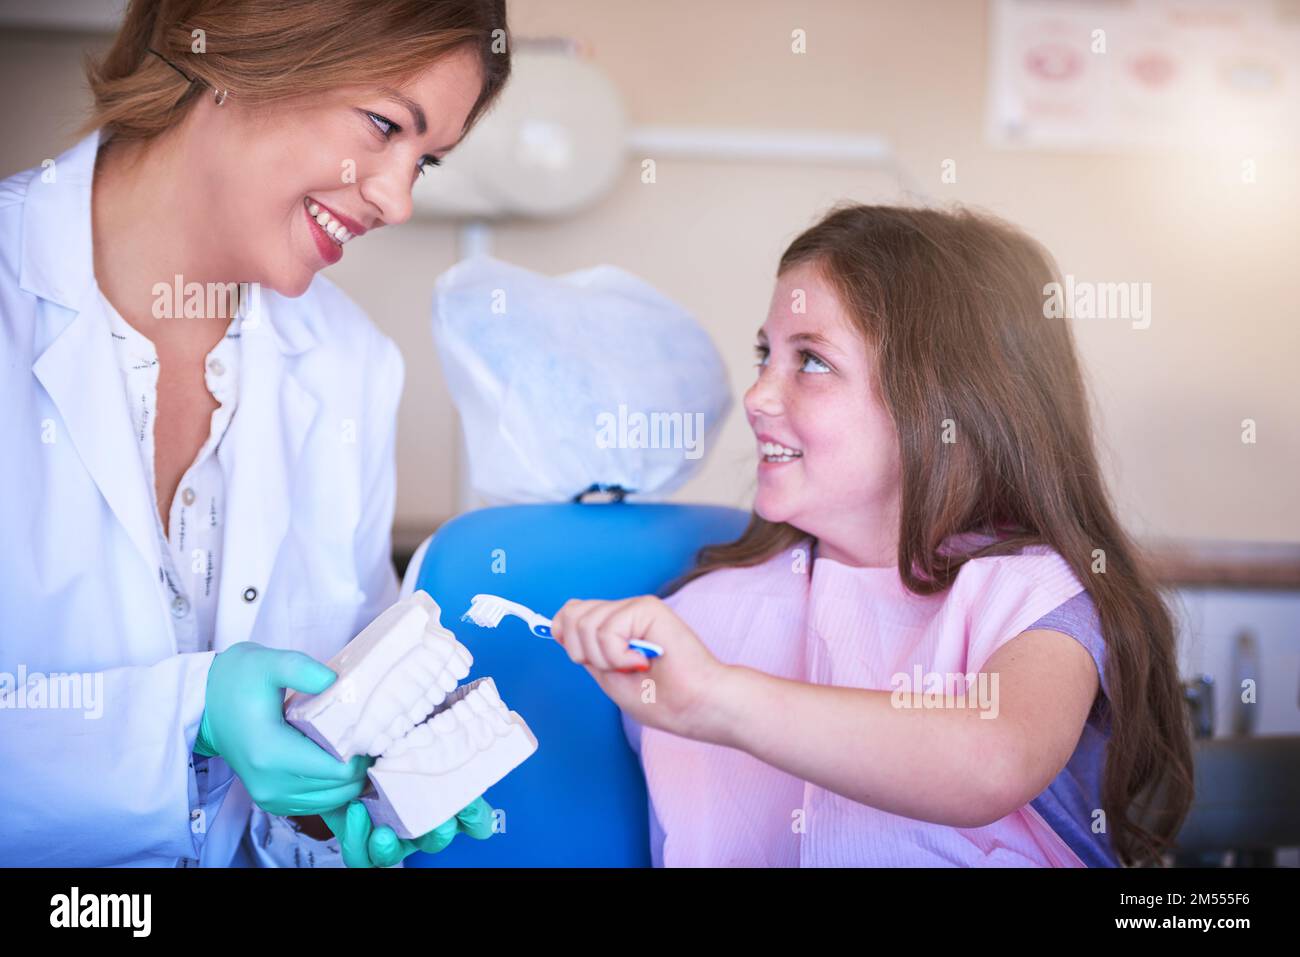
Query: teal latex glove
[365,845]
[285,772]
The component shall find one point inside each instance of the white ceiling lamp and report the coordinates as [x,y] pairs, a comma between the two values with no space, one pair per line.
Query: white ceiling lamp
[551,145]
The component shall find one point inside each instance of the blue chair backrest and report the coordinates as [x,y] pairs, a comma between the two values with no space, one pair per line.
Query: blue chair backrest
[580,800]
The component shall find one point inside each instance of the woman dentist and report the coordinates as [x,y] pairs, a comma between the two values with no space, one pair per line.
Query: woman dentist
[196,502]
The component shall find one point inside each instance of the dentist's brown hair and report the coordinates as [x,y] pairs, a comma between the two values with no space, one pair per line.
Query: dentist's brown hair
[277,52]
[951,304]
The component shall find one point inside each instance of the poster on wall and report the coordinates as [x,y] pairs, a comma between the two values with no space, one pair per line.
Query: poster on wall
[1116,75]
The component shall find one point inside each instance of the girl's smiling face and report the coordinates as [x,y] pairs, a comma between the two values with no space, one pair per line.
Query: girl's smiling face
[828,449]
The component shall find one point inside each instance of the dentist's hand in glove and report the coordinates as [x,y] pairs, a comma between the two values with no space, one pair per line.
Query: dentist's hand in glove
[364,845]
[285,772]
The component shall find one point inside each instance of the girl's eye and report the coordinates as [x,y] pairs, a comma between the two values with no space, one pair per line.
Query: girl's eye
[760,353]
[810,357]
[428,161]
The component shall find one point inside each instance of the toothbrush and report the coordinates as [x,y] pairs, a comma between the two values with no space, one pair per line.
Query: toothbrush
[486,611]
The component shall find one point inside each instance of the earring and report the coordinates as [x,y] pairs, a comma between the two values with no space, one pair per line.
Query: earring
[219,95]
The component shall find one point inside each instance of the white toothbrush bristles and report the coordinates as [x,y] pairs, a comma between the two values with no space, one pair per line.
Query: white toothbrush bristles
[485,611]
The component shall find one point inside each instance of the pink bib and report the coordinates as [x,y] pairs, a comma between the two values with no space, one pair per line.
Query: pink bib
[850,627]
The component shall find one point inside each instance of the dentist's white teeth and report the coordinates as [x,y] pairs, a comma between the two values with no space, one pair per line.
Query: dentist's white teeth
[338,231]
[335,229]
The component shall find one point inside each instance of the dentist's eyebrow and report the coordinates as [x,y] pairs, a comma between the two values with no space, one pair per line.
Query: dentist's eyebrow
[417,114]
[417,111]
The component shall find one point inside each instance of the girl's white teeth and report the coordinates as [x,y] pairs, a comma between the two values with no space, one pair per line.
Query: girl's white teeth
[336,230]
[773,452]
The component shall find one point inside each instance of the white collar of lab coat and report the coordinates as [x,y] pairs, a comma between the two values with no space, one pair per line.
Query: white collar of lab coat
[76,366]
[58,261]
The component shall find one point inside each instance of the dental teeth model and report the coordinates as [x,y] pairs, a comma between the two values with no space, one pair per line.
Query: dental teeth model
[404,668]
[469,744]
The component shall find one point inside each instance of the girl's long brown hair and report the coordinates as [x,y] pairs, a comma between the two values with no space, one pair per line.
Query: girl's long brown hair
[279,52]
[952,304]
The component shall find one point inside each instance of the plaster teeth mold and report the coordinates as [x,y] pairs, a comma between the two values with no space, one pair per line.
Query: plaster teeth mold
[438,746]
[445,763]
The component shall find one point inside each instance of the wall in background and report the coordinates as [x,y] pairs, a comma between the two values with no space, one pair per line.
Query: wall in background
[1220,254]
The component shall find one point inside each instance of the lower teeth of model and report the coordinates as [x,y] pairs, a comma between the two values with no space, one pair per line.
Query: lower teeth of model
[781,458]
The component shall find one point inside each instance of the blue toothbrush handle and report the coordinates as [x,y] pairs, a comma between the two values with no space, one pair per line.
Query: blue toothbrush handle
[647,648]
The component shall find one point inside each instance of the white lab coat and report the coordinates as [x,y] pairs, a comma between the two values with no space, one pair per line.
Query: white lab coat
[310,482]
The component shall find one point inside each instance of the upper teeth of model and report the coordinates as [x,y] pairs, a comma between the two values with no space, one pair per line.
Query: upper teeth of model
[337,231]
[419,682]
[401,667]
[771,450]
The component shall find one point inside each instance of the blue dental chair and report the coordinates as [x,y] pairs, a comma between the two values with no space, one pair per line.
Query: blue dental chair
[580,799]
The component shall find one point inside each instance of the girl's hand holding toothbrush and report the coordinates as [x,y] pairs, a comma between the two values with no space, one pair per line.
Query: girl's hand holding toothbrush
[677,692]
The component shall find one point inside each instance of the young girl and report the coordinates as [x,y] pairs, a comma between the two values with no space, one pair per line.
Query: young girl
[934,644]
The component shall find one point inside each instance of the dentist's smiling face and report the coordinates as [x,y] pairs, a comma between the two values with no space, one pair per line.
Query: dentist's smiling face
[828,449]
[352,156]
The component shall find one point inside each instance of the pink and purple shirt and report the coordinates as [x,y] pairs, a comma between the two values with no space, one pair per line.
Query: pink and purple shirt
[819,621]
